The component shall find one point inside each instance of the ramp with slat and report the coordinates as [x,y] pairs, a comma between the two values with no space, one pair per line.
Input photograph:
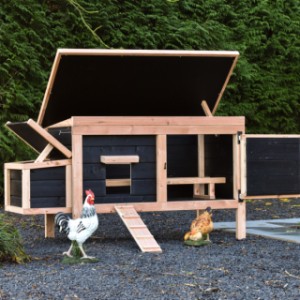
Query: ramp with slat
[137,228]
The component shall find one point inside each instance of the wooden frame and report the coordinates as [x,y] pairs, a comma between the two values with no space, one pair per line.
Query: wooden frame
[161,127]
[25,167]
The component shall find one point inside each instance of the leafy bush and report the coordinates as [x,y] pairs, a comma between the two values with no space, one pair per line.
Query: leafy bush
[11,247]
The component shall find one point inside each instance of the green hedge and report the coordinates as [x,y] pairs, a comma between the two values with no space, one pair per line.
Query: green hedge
[264,86]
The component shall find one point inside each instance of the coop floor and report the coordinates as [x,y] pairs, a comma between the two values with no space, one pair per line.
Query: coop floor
[282,229]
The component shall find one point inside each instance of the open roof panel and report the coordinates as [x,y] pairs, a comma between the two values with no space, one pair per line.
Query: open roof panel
[38,138]
[96,82]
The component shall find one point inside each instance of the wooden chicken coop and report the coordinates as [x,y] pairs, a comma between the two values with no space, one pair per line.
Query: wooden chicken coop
[138,128]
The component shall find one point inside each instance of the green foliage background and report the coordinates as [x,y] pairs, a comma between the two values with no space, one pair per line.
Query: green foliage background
[264,86]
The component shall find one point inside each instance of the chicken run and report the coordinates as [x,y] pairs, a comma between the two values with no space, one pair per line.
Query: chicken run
[139,128]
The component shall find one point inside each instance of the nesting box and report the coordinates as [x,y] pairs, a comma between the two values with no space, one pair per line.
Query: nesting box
[138,128]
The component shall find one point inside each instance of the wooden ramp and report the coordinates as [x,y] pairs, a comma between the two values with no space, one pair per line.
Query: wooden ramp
[137,228]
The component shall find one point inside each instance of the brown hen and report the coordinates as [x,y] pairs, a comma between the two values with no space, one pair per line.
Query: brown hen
[201,226]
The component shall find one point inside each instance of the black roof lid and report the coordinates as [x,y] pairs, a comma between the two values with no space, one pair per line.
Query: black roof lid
[96,82]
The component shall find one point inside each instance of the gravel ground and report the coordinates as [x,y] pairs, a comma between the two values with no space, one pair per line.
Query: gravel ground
[254,268]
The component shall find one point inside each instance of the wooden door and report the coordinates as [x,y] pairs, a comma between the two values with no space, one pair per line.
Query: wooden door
[270,166]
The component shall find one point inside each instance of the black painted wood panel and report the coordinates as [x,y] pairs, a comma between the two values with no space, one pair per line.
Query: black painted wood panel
[182,156]
[16,201]
[42,202]
[219,163]
[16,183]
[47,187]
[273,166]
[143,173]
[63,134]
[55,173]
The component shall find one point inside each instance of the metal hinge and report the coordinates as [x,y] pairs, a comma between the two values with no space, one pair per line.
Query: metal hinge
[239,136]
[240,196]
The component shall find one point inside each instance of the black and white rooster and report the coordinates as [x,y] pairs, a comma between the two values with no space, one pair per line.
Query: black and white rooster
[82,228]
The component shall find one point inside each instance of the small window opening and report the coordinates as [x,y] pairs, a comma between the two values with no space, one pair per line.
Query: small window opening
[118,180]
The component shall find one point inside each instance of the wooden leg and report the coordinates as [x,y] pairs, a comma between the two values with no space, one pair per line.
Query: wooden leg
[241,221]
[49,226]
[211,191]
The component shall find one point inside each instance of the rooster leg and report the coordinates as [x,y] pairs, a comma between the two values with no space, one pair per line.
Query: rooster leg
[68,253]
[83,253]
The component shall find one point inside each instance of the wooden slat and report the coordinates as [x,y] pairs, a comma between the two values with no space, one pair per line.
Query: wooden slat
[145,52]
[31,165]
[196,180]
[225,84]
[172,205]
[287,136]
[270,196]
[49,87]
[37,211]
[119,159]
[157,130]
[117,182]
[43,155]
[78,121]
[206,109]
[138,229]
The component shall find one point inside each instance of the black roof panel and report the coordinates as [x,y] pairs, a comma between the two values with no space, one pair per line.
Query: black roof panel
[134,83]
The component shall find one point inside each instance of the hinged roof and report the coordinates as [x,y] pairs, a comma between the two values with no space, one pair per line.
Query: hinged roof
[97,82]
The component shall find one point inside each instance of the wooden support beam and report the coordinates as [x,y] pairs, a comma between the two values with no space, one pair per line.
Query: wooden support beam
[49,226]
[206,109]
[43,155]
[50,138]
[241,208]
[196,180]
[118,182]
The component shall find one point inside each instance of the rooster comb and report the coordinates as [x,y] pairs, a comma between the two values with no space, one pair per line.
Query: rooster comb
[89,192]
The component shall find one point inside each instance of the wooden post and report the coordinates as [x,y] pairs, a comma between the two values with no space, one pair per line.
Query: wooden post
[241,209]
[199,189]
[49,225]
[7,192]
[26,189]
[243,166]
[161,168]
[206,109]
[77,184]
[43,155]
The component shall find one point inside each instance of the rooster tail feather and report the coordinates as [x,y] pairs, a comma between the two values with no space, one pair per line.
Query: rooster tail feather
[61,220]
